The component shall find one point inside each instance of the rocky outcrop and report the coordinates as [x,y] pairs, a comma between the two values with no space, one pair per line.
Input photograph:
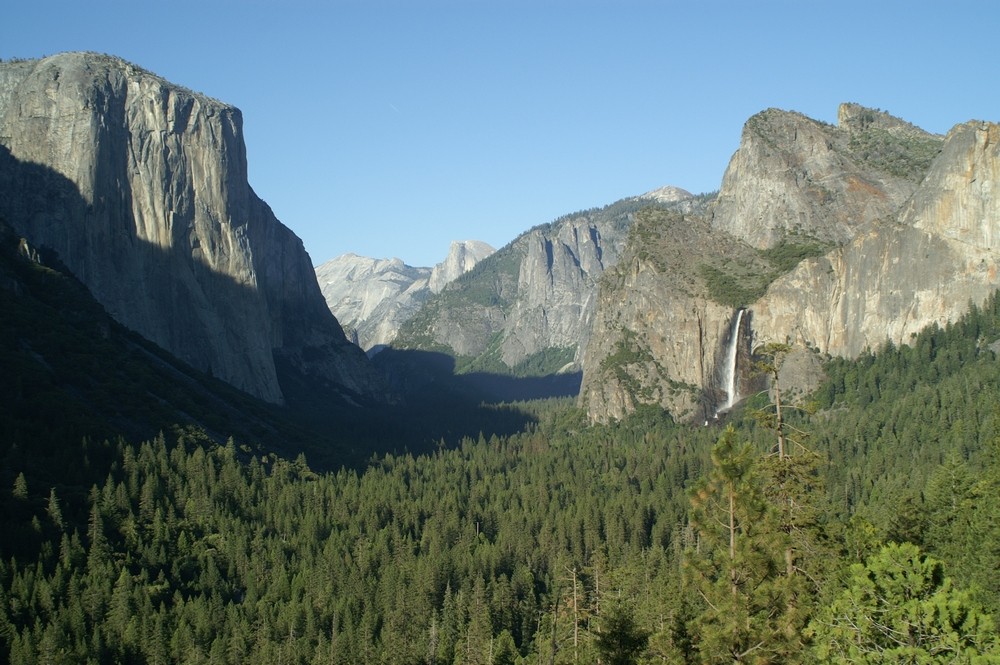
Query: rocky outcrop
[462,257]
[556,284]
[372,298]
[667,194]
[658,336]
[140,186]
[894,279]
[909,220]
[794,175]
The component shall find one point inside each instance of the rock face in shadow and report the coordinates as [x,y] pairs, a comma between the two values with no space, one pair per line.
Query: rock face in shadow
[901,228]
[140,186]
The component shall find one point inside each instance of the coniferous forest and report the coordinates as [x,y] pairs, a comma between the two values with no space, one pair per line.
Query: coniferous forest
[863,527]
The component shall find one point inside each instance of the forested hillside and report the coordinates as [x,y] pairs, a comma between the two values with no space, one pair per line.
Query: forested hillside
[863,529]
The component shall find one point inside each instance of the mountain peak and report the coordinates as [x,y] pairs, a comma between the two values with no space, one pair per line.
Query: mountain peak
[463,255]
[372,298]
[857,118]
[667,194]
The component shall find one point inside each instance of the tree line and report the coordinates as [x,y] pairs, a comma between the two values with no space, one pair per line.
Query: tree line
[864,530]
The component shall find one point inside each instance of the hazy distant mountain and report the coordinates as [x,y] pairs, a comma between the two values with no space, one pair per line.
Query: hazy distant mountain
[372,298]
[462,257]
[667,194]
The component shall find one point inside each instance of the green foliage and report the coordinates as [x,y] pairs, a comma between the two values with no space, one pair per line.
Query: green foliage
[620,641]
[906,154]
[731,288]
[545,362]
[492,283]
[489,360]
[513,548]
[756,556]
[791,251]
[889,419]
[489,283]
[738,284]
[627,352]
[187,549]
[899,608]
[631,360]
[20,490]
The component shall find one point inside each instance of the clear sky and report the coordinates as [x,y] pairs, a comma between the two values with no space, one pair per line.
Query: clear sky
[390,128]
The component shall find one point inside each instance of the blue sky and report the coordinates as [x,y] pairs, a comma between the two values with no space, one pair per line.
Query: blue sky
[391,128]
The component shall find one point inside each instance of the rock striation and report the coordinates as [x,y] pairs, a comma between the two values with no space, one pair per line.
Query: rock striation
[140,187]
[372,298]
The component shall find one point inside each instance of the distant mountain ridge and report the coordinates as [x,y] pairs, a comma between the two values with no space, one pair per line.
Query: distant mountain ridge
[140,187]
[527,309]
[372,298]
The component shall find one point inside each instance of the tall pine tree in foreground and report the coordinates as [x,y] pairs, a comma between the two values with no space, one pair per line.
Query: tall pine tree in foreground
[732,565]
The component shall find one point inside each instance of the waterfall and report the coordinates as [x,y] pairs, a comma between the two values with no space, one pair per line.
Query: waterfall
[731,376]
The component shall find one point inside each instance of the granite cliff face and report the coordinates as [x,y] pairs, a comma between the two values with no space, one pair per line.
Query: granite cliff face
[372,298]
[936,256]
[141,188]
[531,304]
[660,331]
[462,257]
[656,332]
[792,174]
[864,233]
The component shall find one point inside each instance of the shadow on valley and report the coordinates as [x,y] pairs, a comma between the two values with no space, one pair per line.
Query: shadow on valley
[415,373]
[432,408]
[76,374]
[438,404]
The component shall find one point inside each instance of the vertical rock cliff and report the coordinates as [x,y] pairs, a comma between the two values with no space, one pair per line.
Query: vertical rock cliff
[836,239]
[935,257]
[141,188]
[658,335]
[463,255]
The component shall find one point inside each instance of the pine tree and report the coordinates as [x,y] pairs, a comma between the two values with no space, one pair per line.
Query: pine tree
[620,640]
[20,489]
[726,568]
[789,478]
[54,511]
[900,608]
